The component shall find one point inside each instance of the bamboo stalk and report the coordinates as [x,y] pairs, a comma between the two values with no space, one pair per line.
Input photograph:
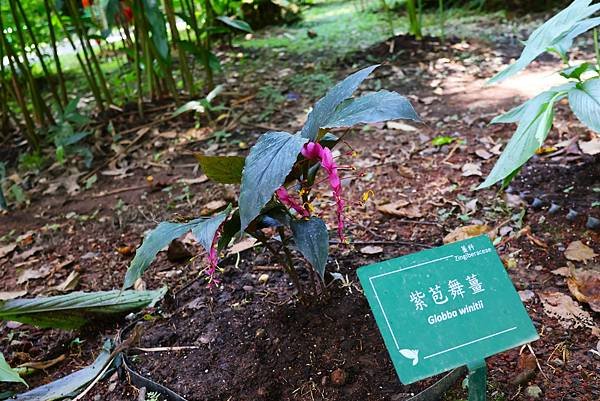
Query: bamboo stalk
[40,56]
[188,83]
[59,73]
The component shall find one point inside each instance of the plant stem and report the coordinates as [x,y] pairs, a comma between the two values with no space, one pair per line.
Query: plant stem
[286,261]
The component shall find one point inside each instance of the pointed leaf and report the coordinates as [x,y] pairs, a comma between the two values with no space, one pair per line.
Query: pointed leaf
[73,310]
[205,232]
[266,167]
[576,71]
[158,29]
[565,41]
[235,23]
[372,108]
[159,238]
[222,169]
[530,135]
[584,100]
[72,384]
[516,114]
[7,374]
[553,30]
[326,106]
[312,239]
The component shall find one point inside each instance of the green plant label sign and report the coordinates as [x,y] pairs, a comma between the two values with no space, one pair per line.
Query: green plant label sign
[445,307]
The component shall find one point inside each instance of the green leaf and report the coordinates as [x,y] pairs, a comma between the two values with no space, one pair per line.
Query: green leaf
[156,240]
[73,310]
[442,140]
[584,100]
[235,23]
[265,170]
[72,384]
[372,108]
[200,52]
[222,169]
[230,229]
[312,239]
[547,35]
[516,114]
[158,29]
[565,41]
[576,71]
[532,130]
[7,374]
[325,108]
[205,232]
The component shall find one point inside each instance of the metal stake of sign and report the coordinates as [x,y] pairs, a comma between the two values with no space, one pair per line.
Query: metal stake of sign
[477,380]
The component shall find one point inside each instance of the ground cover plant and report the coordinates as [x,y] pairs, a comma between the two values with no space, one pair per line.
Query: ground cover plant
[534,117]
[280,163]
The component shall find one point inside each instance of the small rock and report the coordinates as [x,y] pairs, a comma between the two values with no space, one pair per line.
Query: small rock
[260,333]
[247,288]
[339,377]
[537,203]
[534,391]
[572,215]
[263,278]
[554,208]
[526,295]
[371,250]
[593,223]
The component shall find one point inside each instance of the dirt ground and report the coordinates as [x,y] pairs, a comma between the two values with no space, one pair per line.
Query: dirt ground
[251,340]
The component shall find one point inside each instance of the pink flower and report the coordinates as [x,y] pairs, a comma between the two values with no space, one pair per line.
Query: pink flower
[314,151]
[285,198]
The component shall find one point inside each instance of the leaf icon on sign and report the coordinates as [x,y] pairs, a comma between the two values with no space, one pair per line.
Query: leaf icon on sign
[410,354]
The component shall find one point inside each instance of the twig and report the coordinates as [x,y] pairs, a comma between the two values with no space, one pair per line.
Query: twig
[120,190]
[407,243]
[166,349]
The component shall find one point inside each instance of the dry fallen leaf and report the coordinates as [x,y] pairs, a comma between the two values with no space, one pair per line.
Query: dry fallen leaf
[568,313]
[193,181]
[585,286]
[401,208]
[579,252]
[464,232]
[40,365]
[591,147]
[470,169]
[6,249]
[484,154]
[69,284]
[32,274]
[242,245]
[6,295]
[27,254]
[212,206]
[396,125]
[371,250]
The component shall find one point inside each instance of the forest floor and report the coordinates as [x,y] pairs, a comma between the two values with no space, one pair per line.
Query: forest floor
[251,340]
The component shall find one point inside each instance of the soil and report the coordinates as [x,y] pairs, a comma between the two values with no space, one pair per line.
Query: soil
[253,340]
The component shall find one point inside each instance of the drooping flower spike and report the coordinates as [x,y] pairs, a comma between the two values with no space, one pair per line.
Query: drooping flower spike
[314,151]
